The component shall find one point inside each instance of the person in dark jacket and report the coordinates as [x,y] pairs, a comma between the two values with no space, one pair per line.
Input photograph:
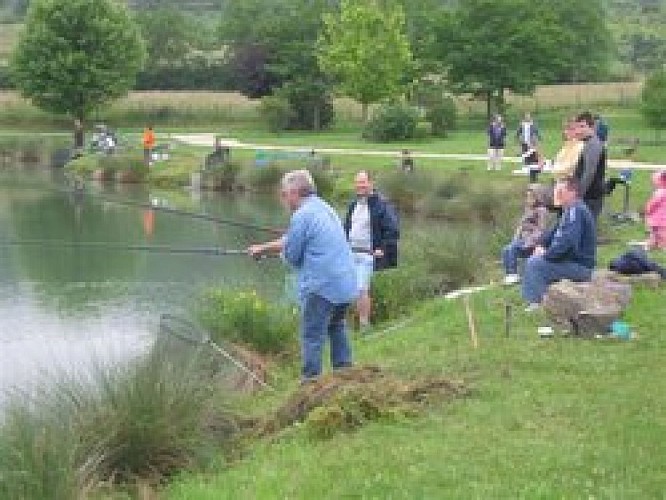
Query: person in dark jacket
[372,228]
[591,167]
[566,252]
[496,143]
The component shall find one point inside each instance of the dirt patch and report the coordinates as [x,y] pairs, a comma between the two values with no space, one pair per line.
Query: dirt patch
[348,399]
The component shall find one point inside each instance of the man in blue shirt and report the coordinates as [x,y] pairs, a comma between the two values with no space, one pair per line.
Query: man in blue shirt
[316,246]
[566,252]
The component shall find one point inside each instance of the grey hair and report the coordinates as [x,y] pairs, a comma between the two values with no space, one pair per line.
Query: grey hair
[300,181]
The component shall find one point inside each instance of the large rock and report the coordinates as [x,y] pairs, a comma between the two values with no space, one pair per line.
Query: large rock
[587,308]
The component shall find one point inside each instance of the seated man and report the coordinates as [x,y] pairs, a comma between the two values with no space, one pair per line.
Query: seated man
[566,252]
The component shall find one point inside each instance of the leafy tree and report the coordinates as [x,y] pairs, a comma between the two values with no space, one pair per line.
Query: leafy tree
[167,34]
[490,46]
[76,55]
[653,100]
[365,48]
[272,45]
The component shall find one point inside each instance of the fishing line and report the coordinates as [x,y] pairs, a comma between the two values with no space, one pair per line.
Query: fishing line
[103,245]
[175,211]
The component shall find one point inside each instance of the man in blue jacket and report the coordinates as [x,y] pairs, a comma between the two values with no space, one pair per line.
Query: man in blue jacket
[315,245]
[372,228]
[566,252]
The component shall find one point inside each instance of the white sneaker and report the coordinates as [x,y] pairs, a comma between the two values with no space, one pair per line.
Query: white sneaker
[532,307]
[511,279]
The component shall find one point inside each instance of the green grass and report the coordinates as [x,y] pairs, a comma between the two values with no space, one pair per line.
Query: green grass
[558,418]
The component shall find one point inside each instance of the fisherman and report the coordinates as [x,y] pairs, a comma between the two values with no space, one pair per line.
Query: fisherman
[315,245]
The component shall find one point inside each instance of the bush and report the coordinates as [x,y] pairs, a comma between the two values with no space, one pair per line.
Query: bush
[392,122]
[653,99]
[223,177]
[244,317]
[311,105]
[405,189]
[131,167]
[442,116]
[263,179]
[395,291]
[277,113]
[452,259]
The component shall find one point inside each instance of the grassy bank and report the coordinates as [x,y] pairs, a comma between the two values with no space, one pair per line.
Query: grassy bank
[546,418]
[529,417]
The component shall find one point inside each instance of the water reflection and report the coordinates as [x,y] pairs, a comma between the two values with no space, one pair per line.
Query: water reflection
[63,306]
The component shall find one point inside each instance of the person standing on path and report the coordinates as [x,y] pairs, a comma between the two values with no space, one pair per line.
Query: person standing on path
[591,167]
[316,246]
[528,136]
[496,143]
[566,252]
[148,145]
[372,228]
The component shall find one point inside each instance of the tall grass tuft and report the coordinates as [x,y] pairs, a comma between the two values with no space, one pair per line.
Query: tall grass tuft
[40,454]
[146,420]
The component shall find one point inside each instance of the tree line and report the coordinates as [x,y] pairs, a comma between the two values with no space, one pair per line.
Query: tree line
[75,55]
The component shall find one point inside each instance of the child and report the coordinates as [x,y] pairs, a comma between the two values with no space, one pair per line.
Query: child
[530,229]
[655,212]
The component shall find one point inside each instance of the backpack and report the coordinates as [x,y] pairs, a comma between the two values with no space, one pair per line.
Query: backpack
[635,262]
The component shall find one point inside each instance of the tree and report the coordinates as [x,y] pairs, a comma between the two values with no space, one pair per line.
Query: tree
[364,47]
[272,47]
[490,46]
[653,100]
[74,56]
[164,45]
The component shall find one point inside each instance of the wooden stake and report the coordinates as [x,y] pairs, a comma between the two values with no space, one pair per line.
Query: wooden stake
[471,323]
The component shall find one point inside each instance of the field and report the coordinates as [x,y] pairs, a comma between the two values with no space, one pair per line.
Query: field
[8,36]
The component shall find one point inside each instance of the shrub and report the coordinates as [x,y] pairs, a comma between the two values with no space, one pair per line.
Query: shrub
[405,189]
[223,177]
[452,259]
[392,122]
[277,112]
[442,116]
[263,179]
[122,163]
[311,105]
[395,291]
[653,99]
[244,317]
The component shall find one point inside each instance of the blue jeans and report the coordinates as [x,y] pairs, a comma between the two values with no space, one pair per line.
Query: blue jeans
[540,274]
[321,319]
[512,252]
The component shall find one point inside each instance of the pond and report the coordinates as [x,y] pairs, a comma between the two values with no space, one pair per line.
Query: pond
[67,301]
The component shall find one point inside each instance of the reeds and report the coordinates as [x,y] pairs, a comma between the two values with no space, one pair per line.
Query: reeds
[142,421]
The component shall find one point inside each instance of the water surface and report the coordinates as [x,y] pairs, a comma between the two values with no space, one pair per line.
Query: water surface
[65,306]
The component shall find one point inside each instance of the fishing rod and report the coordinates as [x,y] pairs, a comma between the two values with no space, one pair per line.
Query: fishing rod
[175,211]
[103,245]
